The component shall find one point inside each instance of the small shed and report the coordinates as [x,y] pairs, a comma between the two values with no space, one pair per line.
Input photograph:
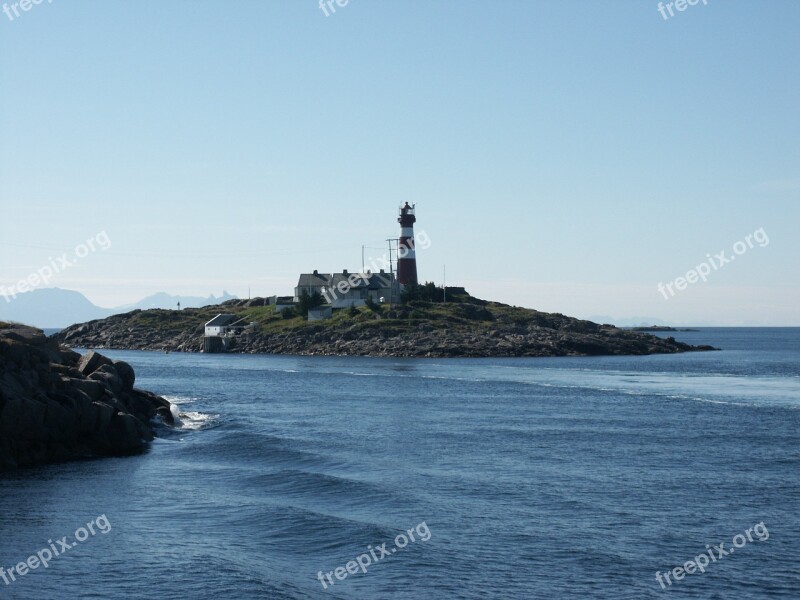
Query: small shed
[218,326]
[320,313]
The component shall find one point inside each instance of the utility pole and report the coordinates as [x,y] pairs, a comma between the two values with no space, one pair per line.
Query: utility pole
[444,282]
[391,271]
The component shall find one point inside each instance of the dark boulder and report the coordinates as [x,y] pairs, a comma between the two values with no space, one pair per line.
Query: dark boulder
[126,374]
[107,375]
[92,361]
[56,405]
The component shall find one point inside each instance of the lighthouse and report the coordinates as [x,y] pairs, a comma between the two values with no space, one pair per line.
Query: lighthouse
[406,258]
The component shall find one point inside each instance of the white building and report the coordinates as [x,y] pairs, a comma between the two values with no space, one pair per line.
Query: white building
[218,326]
[345,289]
[222,332]
[226,325]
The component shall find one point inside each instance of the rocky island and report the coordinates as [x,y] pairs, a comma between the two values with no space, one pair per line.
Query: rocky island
[463,326]
[56,405]
[661,328]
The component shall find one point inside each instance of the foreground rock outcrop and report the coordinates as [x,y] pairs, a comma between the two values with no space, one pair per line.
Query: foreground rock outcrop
[56,405]
[466,327]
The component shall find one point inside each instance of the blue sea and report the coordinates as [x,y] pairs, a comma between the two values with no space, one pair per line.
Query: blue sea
[455,478]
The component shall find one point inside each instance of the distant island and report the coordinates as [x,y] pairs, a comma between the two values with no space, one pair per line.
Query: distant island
[463,326]
[656,328]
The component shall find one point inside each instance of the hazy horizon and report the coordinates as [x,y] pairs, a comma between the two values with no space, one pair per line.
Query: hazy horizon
[621,320]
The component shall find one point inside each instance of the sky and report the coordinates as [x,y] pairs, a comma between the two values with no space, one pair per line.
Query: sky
[564,156]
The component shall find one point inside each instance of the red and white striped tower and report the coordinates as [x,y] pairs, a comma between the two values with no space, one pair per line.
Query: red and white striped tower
[406,257]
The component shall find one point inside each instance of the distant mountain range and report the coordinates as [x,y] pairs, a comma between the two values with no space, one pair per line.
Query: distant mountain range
[54,308]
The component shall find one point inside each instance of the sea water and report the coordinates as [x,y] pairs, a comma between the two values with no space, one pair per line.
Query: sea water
[516,478]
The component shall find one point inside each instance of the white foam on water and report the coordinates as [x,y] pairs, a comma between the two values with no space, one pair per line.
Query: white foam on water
[193,421]
[180,399]
[189,420]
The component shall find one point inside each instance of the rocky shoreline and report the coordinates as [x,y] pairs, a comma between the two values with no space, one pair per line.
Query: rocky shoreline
[57,406]
[473,328]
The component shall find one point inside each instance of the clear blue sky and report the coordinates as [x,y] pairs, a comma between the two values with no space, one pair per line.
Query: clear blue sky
[566,156]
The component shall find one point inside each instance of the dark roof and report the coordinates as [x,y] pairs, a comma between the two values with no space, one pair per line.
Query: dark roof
[380,280]
[313,279]
[372,281]
[360,282]
[221,320]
